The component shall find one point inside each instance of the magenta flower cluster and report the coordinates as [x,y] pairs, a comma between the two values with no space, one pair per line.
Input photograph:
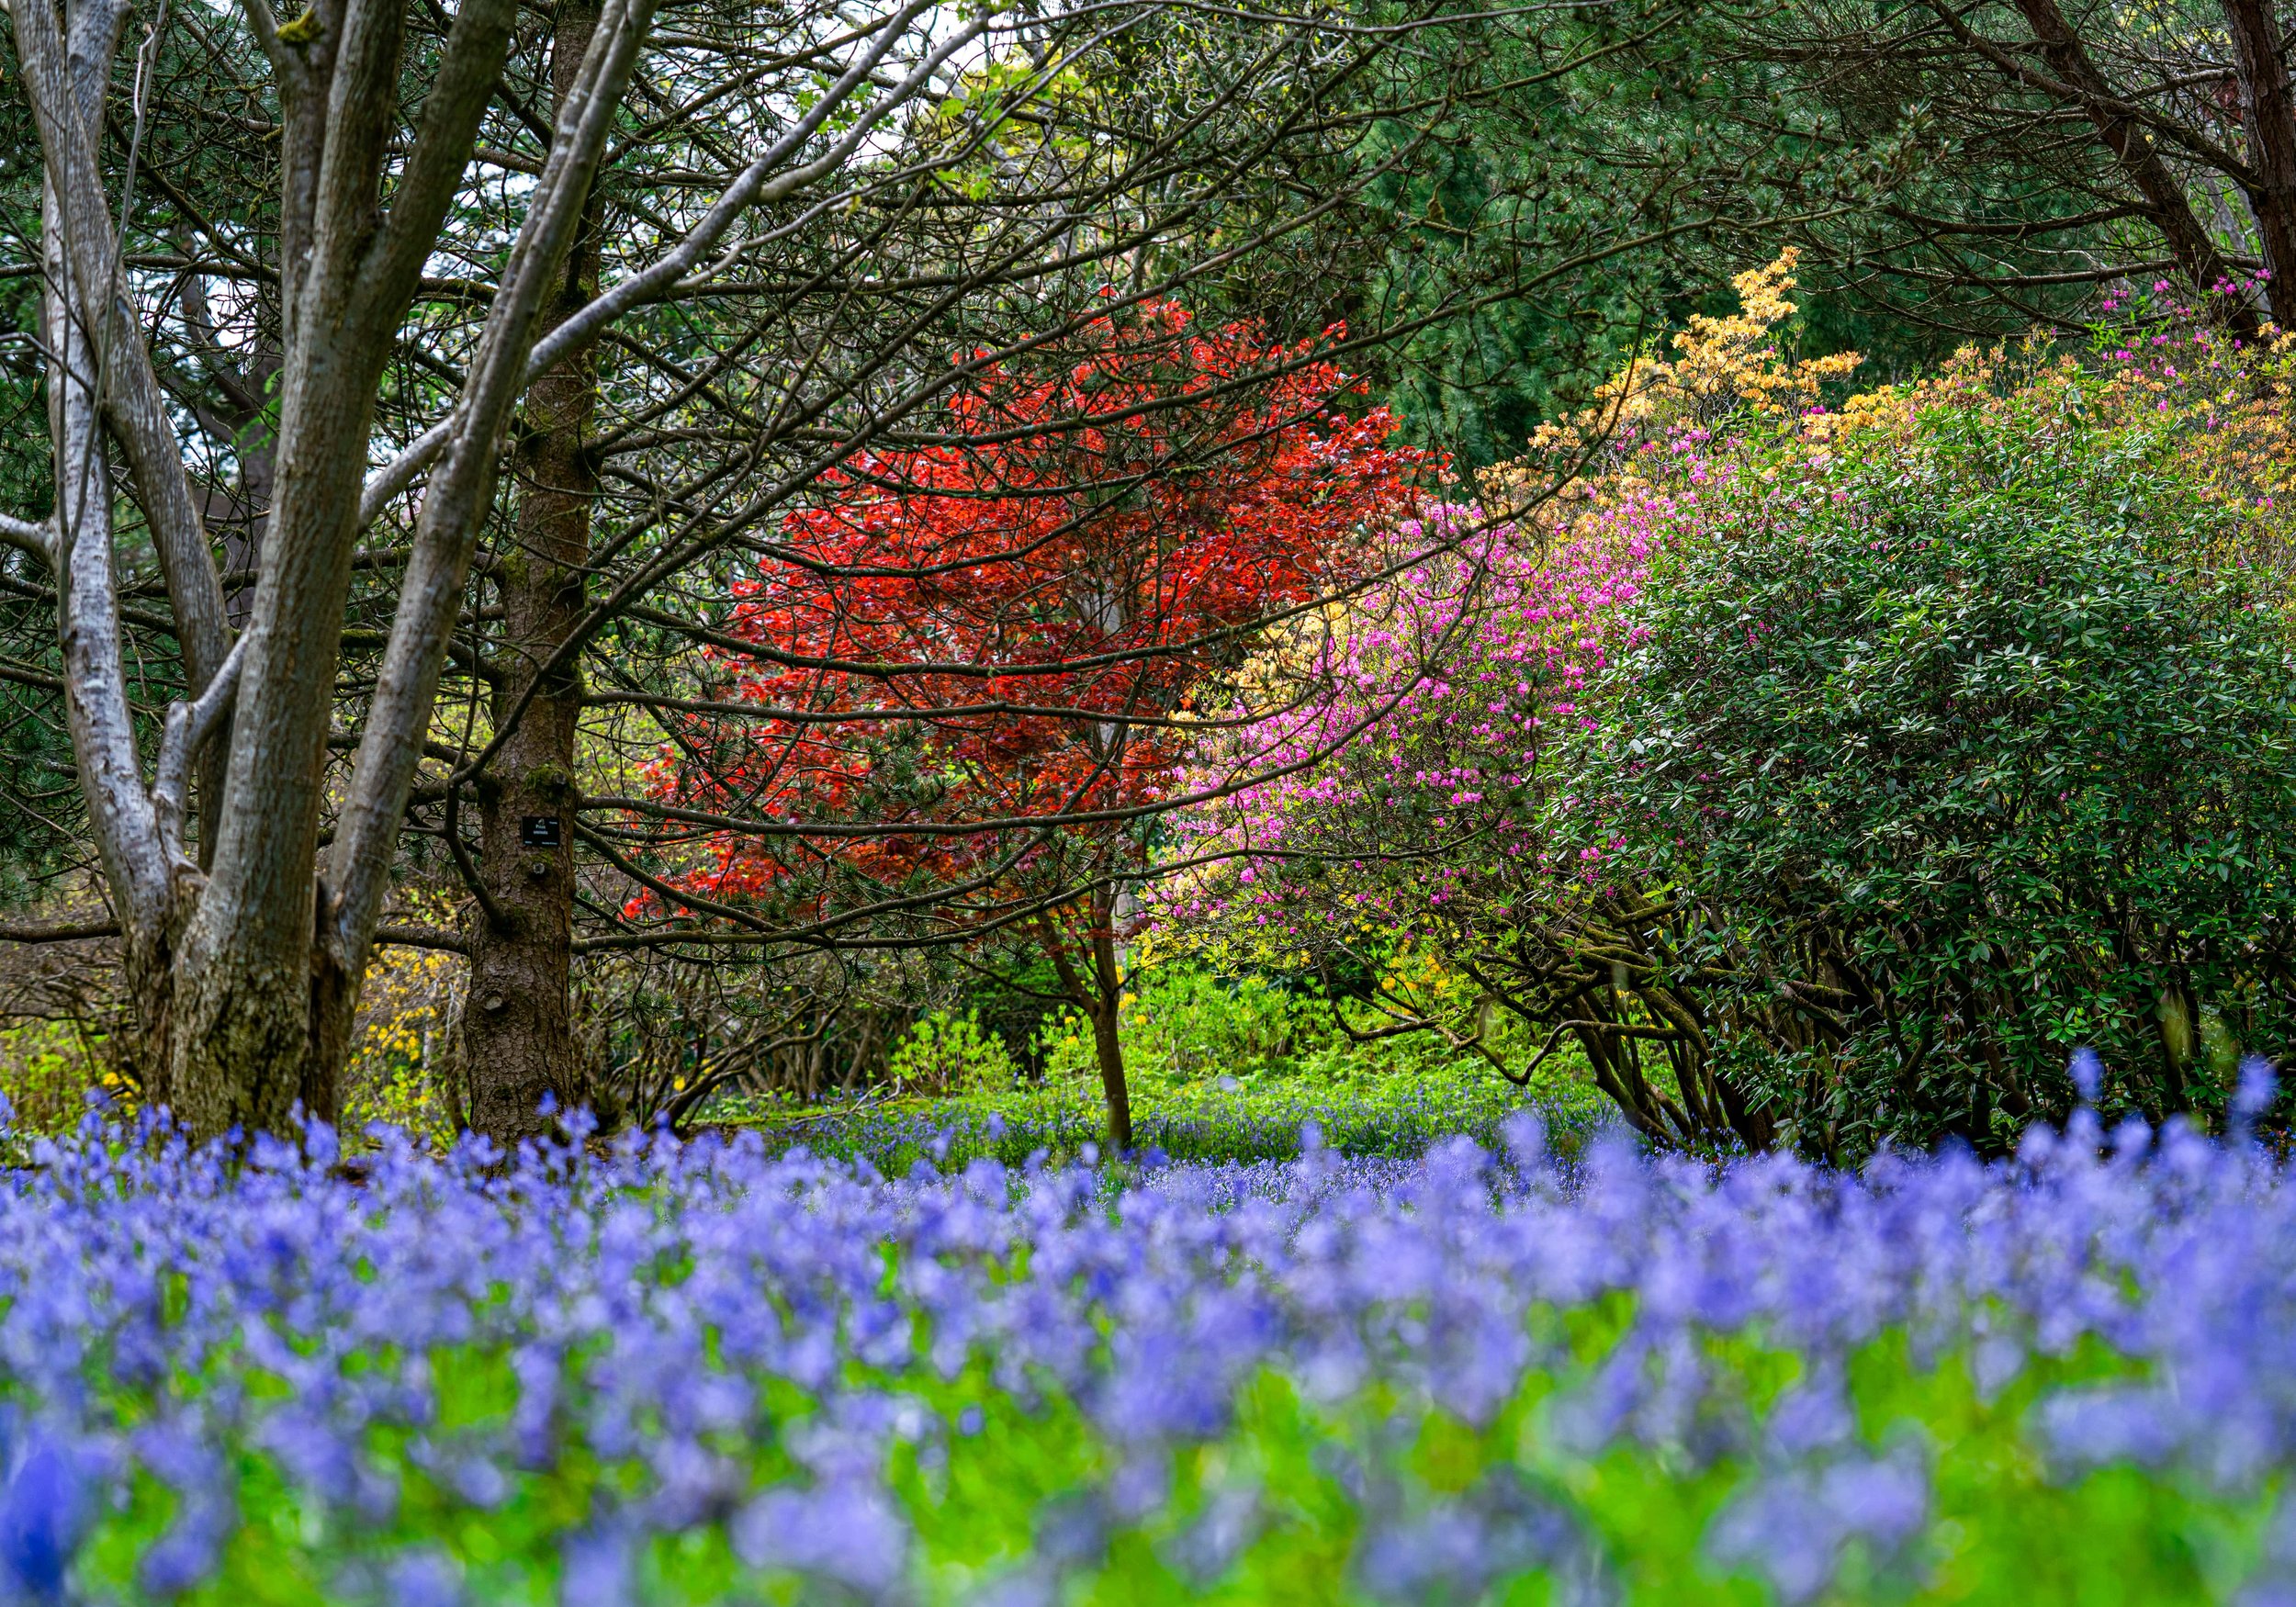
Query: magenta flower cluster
[1448,694]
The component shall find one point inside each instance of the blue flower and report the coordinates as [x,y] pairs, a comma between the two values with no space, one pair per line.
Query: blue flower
[43,1512]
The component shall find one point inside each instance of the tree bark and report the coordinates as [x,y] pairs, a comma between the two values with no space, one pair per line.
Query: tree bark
[255,975]
[2165,200]
[517,1032]
[2268,111]
[66,76]
[1108,981]
[1098,989]
[265,983]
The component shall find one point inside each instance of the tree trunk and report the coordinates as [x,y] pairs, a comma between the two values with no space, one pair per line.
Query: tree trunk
[253,974]
[1108,983]
[1119,1098]
[265,981]
[2179,1019]
[245,963]
[1099,992]
[2164,199]
[517,1031]
[2268,111]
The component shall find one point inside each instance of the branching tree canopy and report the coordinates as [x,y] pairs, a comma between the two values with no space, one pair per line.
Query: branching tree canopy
[2032,151]
[415,382]
[1042,605]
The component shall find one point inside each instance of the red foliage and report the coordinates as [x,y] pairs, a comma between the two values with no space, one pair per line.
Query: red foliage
[1083,546]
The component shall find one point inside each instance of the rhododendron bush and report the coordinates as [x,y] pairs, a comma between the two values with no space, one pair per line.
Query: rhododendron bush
[1824,777]
[1970,748]
[1445,823]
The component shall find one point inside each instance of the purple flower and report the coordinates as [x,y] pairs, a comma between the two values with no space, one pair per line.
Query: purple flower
[599,1568]
[423,1579]
[849,1533]
[43,1512]
[2089,1075]
[2258,1085]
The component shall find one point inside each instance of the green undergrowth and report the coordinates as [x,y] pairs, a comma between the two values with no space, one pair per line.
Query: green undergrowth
[1219,1069]
[1238,1120]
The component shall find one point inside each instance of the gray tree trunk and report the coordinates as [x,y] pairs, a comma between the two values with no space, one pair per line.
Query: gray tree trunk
[245,961]
[517,1036]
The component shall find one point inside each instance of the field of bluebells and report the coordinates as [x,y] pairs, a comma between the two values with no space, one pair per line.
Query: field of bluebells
[659,1373]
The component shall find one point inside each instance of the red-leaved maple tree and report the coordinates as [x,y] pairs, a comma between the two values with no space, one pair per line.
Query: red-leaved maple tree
[962,682]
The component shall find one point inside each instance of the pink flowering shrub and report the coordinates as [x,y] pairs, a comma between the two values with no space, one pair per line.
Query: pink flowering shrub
[1825,779]
[1469,682]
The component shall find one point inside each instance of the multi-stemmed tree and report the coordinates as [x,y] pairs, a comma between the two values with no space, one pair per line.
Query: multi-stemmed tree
[406,150]
[245,944]
[415,383]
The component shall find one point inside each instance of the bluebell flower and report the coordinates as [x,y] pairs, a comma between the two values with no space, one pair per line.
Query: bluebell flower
[425,1577]
[849,1533]
[599,1568]
[43,1512]
[189,1554]
[2259,1084]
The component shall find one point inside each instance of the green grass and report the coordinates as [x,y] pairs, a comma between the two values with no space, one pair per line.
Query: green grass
[1251,1120]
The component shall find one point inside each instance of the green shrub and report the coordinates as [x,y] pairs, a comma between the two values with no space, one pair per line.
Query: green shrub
[49,1071]
[1184,1023]
[947,1053]
[1965,757]
[1187,1024]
